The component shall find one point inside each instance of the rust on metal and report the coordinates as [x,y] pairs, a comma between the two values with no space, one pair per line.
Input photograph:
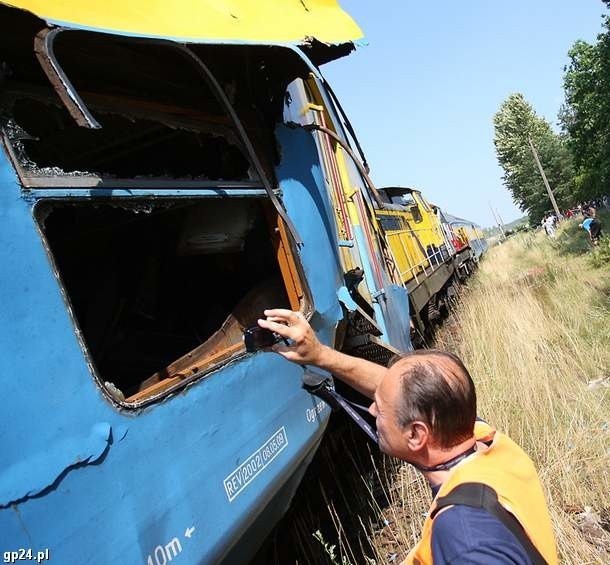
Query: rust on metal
[43,48]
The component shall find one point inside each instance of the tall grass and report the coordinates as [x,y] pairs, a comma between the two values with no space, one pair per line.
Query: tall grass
[533,327]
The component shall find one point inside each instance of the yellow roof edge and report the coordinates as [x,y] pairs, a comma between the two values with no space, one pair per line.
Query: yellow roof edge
[204,21]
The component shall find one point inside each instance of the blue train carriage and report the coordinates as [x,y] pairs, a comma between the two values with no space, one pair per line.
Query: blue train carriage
[472,237]
[153,204]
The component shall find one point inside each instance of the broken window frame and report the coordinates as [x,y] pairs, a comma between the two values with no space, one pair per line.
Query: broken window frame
[293,279]
[69,97]
[286,244]
[43,46]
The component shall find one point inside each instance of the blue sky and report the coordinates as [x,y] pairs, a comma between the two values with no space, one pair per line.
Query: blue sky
[422,94]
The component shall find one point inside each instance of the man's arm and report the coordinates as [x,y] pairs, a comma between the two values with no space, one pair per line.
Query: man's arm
[305,349]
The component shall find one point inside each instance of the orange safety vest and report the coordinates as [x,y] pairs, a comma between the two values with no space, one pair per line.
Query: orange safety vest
[510,472]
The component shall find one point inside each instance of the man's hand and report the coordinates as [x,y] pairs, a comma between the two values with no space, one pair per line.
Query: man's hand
[305,348]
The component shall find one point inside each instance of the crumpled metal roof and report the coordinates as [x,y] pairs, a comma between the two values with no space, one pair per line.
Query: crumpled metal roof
[203,21]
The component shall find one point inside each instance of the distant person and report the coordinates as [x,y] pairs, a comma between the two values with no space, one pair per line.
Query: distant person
[549,226]
[488,504]
[592,226]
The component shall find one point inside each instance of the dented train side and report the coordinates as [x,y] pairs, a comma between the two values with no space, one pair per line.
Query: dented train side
[155,198]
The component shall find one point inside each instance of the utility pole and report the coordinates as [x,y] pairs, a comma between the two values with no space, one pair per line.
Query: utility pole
[546,182]
[501,223]
[497,222]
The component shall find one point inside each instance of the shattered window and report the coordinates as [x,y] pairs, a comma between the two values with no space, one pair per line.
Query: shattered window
[405,199]
[159,288]
[162,290]
[159,118]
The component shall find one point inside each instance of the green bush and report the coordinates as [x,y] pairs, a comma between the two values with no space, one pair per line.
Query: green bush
[600,256]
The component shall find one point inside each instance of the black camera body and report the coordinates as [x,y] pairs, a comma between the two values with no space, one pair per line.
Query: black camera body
[257,338]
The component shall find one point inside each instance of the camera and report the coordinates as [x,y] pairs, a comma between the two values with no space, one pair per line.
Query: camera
[256,338]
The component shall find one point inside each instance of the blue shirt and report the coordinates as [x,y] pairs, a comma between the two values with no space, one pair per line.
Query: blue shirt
[462,534]
[586,225]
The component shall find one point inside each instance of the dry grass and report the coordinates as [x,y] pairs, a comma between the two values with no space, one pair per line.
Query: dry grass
[534,330]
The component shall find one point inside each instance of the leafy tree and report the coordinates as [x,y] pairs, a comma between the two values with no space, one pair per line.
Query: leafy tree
[515,122]
[585,115]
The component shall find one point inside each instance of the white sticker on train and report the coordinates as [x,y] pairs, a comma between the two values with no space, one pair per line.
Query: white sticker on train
[243,475]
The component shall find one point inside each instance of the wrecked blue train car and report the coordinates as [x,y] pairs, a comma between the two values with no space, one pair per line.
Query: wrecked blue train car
[157,193]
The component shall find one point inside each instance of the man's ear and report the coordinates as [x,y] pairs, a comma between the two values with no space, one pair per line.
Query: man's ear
[417,435]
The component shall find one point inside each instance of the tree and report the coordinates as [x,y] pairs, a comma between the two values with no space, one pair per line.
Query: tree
[515,122]
[585,116]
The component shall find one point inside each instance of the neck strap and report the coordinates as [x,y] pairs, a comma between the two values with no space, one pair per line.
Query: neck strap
[448,464]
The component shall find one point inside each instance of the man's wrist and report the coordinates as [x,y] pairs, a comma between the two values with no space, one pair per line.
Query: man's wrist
[325,357]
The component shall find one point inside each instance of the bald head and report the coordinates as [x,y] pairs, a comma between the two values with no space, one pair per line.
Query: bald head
[436,389]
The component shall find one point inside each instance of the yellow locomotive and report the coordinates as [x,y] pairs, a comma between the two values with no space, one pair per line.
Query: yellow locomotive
[430,249]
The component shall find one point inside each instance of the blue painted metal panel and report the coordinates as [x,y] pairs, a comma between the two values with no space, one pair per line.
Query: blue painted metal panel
[99,485]
[308,203]
[395,306]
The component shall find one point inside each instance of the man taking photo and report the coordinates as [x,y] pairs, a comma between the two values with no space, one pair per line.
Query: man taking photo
[488,505]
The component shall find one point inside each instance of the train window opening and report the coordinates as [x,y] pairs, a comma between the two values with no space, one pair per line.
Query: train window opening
[405,199]
[161,291]
[416,213]
[47,143]
[160,118]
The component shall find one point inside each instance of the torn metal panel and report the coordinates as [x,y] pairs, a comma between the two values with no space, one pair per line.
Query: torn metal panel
[210,21]
[224,99]
[31,476]
[43,47]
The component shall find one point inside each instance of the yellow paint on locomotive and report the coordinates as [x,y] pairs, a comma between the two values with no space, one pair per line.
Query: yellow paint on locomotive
[414,233]
[336,176]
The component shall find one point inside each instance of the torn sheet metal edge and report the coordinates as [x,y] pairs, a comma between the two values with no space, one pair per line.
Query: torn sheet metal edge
[180,387]
[300,44]
[297,43]
[345,298]
[43,49]
[31,477]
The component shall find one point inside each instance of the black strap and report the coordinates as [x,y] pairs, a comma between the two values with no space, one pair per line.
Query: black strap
[478,495]
[320,385]
[328,394]
[447,464]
